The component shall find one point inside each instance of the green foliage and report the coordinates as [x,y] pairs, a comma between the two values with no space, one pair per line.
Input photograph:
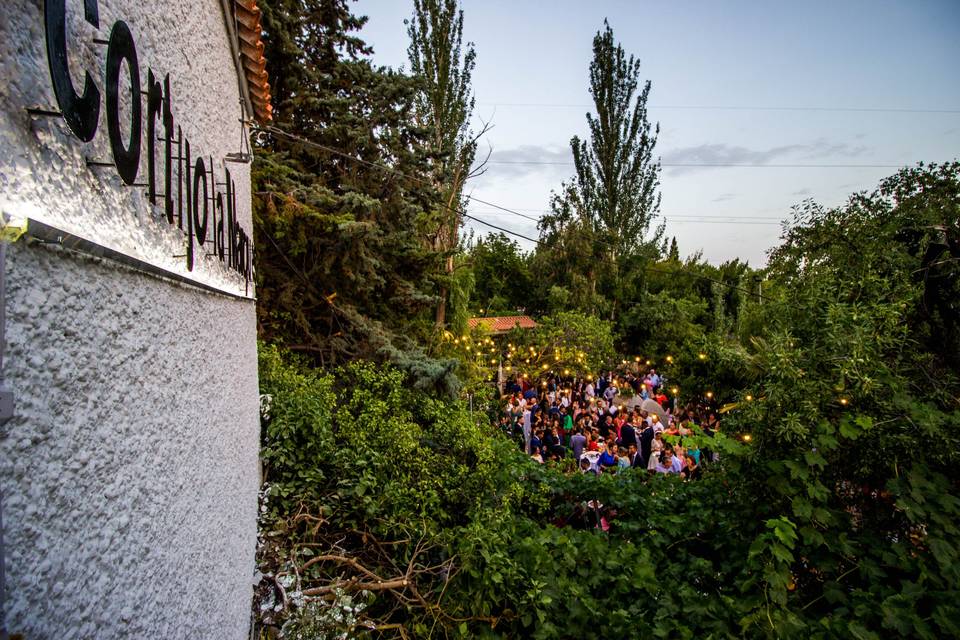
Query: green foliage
[569,341]
[502,272]
[837,518]
[614,197]
[343,270]
[443,108]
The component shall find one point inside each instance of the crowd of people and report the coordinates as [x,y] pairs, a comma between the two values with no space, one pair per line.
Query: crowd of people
[609,424]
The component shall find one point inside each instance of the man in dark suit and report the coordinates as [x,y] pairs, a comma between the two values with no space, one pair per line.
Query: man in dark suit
[628,434]
[646,437]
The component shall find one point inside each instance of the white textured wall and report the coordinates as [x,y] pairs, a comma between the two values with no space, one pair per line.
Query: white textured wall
[129,474]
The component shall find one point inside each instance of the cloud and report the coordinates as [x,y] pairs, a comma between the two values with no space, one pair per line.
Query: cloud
[725,154]
[531,159]
[723,197]
[802,192]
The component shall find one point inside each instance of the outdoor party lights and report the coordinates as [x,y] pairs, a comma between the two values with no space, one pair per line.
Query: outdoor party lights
[749,398]
[669,358]
[637,359]
[566,372]
[649,363]
[709,394]
[675,390]
[544,367]
[702,356]
[747,437]
[844,401]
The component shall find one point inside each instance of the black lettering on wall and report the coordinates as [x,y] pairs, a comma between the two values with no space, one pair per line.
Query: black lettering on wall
[122,48]
[168,151]
[80,112]
[195,180]
[154,107]
[179,177]
[187,190]
[218,227]
[200,226]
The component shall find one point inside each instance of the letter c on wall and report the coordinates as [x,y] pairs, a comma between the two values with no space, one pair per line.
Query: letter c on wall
[80,112]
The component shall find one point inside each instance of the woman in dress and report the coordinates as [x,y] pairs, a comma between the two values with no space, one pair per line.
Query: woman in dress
[656,447]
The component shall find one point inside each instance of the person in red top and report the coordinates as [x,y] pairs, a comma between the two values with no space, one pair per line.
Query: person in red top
[592,443]
[662,399]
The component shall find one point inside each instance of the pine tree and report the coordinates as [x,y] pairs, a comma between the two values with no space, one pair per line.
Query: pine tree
[443,106]
[342,270]
[674,254]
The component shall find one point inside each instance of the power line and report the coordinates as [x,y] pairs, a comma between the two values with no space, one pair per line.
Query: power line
[663,215]
[674,219]
[719,164]
[698,107]
[301,140]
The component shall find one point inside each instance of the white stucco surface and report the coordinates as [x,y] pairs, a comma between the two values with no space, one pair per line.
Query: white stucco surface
[129,472]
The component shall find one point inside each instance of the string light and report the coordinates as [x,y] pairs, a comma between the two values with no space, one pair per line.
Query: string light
[747,437]
[649,363]
[749,398]
[709,394]
[669,358]
[844,401]
[675,391]
[702,356]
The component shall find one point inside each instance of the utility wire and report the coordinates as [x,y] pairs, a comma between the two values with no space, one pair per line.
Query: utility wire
[310,143]
[676,216]
[694,107]
[754,165]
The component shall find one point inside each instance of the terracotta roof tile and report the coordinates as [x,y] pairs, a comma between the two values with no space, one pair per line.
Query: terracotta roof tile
[502,324]
[251,55]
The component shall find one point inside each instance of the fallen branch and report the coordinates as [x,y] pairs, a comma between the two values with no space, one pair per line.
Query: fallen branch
[353,585]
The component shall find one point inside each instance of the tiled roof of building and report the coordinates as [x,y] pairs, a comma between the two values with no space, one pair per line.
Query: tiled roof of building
[251,56]
[502,324]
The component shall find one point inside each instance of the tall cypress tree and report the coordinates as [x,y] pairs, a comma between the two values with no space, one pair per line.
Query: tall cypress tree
[342,271]
[614,195]
[444,104]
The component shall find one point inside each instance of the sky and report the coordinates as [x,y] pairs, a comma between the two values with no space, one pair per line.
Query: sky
[870,86]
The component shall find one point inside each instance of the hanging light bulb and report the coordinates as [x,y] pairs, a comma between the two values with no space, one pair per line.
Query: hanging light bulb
[749,398]
[702,356]
[709,394]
